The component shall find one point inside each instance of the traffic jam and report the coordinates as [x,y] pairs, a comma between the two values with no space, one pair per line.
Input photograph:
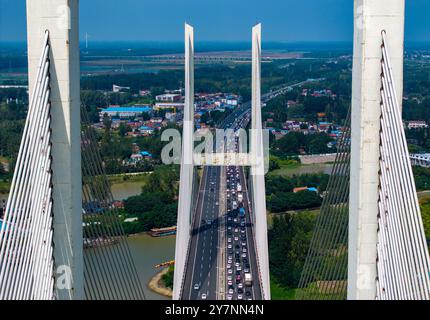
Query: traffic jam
[238,269]
[239,277]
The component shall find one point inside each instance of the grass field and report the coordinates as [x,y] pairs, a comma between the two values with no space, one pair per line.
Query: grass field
[288,170]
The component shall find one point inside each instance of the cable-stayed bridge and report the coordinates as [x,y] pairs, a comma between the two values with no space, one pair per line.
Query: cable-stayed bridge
[369,241]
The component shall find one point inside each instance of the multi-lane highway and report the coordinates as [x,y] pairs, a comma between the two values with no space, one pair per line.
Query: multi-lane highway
[222,254]
[202,275]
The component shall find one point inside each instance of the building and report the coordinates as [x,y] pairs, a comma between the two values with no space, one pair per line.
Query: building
[116,88]
[124,112]
[169,97]
[417,124]
[300,189]
[145,130]
[144,93]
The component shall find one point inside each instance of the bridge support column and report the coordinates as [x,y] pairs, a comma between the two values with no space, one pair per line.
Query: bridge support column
[185,204]
[60,17]
[371,18]
[258,169]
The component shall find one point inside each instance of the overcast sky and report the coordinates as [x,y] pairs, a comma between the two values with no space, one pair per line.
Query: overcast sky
[229,20]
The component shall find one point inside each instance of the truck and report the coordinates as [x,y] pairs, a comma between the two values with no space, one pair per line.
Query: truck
[234,205]
[240,197]
[248,279]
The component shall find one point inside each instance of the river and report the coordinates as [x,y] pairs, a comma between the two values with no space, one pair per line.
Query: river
[147,251]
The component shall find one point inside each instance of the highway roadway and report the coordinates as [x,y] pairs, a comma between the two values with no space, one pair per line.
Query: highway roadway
[206,274]
[201,275]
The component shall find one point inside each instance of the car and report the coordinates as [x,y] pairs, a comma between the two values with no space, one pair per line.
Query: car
[229,261]
[229,297]
[237,274]
[230,282]
[237,247]
[248,293]
[230,257]
[242,230]
[244,250]
[246,270]
[230,291]
[239,268]
[236,238]
[243,243]
[230,271]
[237,264]
[240,285]
[229,240]
[229,278]
[236,230]
[204,296]
[228,266]
[240,291]
[238,277]
[229,246]
[196,286]
[239,297]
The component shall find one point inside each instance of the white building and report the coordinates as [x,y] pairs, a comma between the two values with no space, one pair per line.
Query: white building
[417,124]
[116,88]
[169,97]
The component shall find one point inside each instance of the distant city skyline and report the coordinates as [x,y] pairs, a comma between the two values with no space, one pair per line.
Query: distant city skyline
[220,20]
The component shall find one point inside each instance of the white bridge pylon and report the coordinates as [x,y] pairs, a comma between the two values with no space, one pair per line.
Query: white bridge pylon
[256,159]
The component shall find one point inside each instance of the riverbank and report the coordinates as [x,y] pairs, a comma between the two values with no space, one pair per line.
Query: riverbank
[156,284]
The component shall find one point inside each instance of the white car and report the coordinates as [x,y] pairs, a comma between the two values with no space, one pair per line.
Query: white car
[204,296]
[239,268]
[240,285]
[244,255]
[237,264]
[236,238]
[230,283]
[196,286]
[230,271]
[228,266]
[229,278]
[230,291]
[229,261]
[229,240]
[236,230]
[239,297]
[229,297]
[229,246]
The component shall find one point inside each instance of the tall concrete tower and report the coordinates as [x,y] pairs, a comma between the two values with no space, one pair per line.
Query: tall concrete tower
[185,204]
[60,18]
[371,17]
